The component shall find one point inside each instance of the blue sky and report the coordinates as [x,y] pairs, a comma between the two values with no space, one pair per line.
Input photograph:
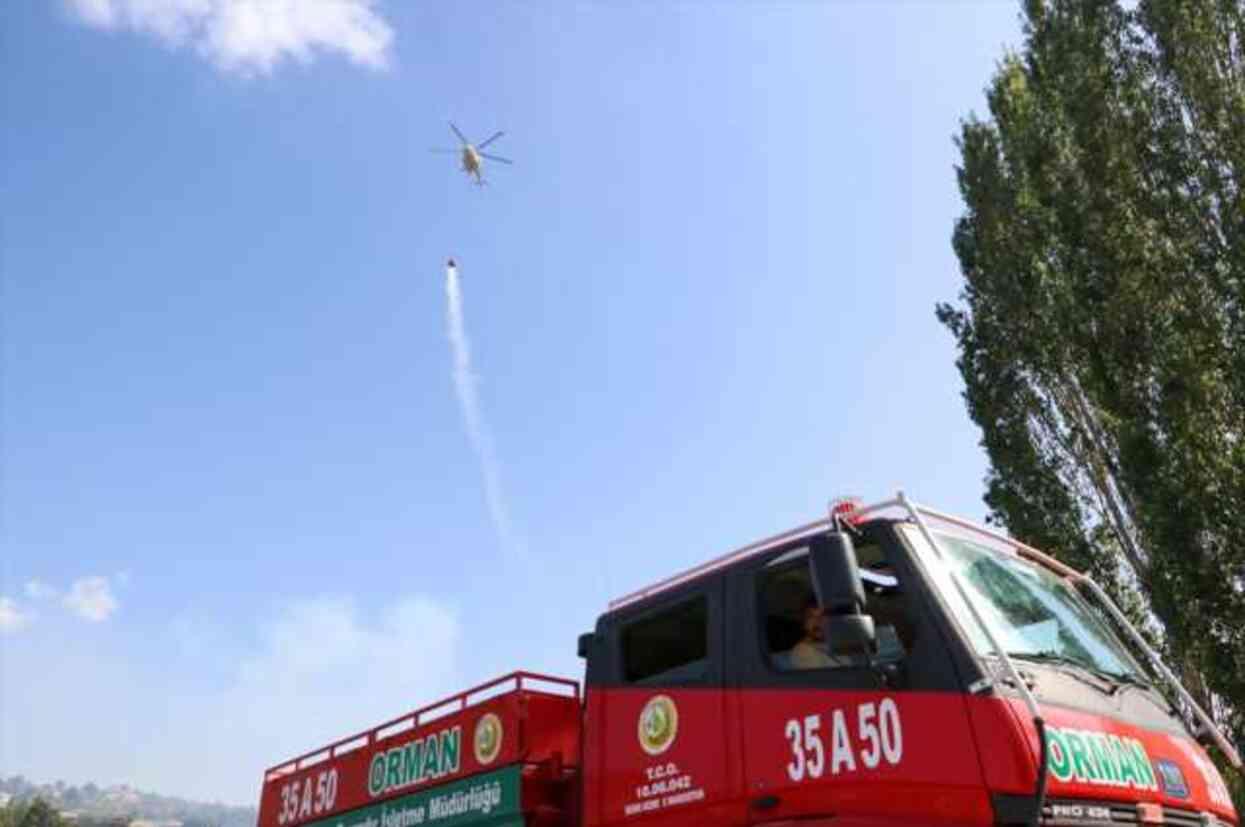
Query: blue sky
[241,513]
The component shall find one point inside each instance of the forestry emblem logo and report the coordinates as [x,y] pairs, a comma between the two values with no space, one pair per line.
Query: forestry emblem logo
[658,725]
[487,740]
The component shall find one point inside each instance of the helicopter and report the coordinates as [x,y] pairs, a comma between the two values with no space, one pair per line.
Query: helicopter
[472,154]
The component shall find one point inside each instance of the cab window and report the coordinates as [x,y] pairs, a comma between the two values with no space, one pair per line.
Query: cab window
[790,620]
[671,644]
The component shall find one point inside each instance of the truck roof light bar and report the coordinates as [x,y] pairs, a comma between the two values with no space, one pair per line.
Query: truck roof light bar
[845,508]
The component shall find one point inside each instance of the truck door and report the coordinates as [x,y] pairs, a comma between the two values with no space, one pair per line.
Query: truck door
[658,706]
[833,733]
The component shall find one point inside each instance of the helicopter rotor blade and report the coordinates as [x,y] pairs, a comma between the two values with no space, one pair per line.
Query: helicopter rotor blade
[497,158]
[494,137]
[460,135]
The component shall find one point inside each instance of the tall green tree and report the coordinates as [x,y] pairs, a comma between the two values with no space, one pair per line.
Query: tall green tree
[40,814]
[1101,327]
[12,812]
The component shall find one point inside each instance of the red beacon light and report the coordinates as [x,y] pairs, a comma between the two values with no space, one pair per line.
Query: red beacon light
[844,507]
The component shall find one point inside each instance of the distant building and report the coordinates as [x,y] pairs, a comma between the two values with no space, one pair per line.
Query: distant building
[122,795]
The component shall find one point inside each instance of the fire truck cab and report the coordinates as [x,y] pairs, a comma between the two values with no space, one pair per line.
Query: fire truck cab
[887,665]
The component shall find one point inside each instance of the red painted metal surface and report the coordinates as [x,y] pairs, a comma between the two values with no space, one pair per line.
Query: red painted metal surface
[756,756]
[774,756]
[864,754]
[538,717]
[893,756]
[1006,736]
[689,782]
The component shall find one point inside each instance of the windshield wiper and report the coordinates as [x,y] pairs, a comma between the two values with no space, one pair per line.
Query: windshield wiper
[1116,680]
[1124,679]
[1081,668]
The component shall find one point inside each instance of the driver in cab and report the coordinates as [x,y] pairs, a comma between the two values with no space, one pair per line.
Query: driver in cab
[813,650]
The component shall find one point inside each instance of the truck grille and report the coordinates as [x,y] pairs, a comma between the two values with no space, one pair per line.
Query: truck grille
[1069,812]
[1085,813]
[1189,818]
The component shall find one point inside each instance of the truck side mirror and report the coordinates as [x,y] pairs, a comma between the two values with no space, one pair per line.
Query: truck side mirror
[836,582]
[585,644]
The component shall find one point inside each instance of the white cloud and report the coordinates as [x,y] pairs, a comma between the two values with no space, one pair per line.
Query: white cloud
[38,590]
[12,619]
[315,638]
[95,12]
[322,669]
[252,35]
[91,598]
[313,671]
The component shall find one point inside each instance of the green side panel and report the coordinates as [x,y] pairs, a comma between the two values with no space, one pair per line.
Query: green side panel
[489,800]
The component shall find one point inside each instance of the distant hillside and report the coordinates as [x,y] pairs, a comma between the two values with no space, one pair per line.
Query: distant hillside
[90,805]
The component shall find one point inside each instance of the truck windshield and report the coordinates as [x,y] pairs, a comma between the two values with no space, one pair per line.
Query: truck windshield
[1033,613]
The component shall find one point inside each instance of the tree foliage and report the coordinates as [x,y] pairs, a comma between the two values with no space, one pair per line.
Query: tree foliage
[90,805]
[35,813]
[11,813]
[1101,328]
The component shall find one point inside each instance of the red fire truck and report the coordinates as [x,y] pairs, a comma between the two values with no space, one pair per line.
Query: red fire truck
[885,665]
